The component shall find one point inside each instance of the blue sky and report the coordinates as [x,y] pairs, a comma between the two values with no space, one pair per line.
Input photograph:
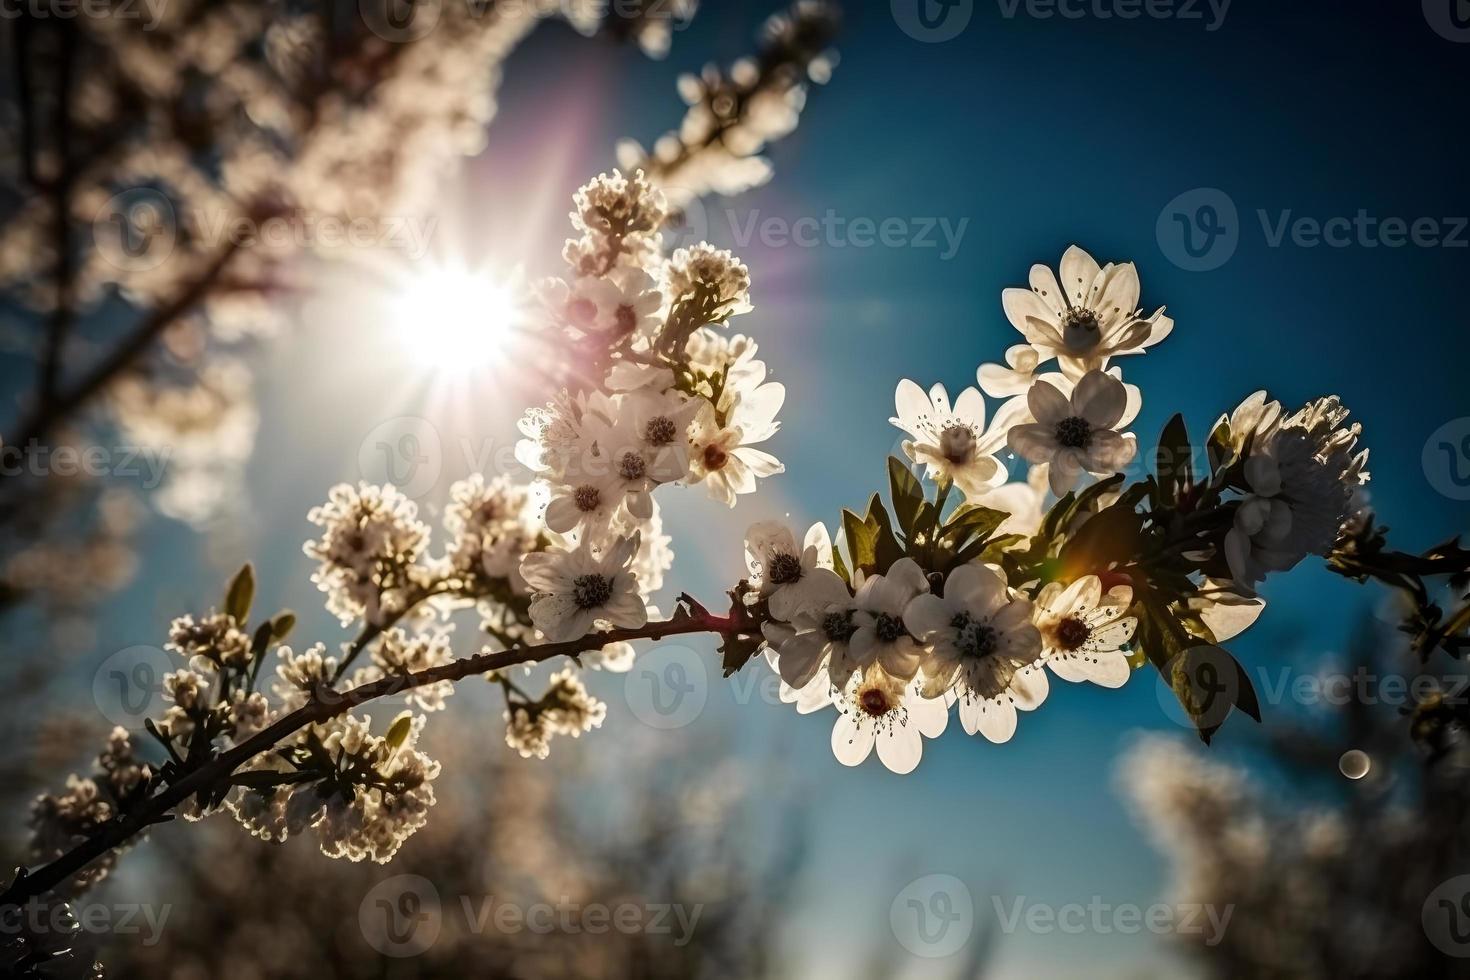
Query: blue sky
[1028,134]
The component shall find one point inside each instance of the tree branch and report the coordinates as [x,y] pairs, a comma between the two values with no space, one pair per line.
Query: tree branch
[46,417]
[325,705]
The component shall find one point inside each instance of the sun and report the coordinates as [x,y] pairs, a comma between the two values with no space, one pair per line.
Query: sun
[454,320]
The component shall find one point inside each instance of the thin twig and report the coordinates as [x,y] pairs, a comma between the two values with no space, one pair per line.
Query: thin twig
[325,705]
[46,418]
[62,315]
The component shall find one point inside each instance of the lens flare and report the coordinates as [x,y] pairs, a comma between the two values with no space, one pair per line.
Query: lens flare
[455,321]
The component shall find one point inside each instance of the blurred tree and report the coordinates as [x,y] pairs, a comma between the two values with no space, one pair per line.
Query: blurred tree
[1326,871]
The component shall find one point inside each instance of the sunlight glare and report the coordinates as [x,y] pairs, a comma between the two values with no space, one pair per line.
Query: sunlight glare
[456,321]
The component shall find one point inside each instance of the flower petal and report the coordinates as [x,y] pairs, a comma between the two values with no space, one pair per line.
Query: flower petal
[1033,442]
[1100,398]
[1079,273]
[900,748]
[851,742]
[1048,405]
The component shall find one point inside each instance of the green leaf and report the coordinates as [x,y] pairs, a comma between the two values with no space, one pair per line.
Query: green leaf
[282,624]
[995,548]
[1173,460]
[1057,517]
[1245,695]
[840,566]
[241,594]
[1219,448]
[887,550]
[926,523]
[398,732]
[260,640]
[908,496]
[964,536]
[971,522]
[1108,537]
[1197,672]
[862,542]
[1091,495]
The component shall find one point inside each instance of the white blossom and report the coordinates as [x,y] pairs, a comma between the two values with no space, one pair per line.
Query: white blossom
[398,654]
[565,709]
[1303,472]
[1091,315]
[882,710]
[787,575]
[299,675]
[881,636]
[1084,630]
[1012,378]
[984,650]
[952,441]
[371,539]
[1077,434]
[723,456]
[804,650]
[579,590]
[713,272]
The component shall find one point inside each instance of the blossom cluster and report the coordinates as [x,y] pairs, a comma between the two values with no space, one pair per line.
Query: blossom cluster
[978,606]
[57,820]
[971,589]
[660,394]
[734,113]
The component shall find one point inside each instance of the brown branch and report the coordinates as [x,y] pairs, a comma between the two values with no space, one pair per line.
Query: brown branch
[325,705]
[122,357]
[59,328]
